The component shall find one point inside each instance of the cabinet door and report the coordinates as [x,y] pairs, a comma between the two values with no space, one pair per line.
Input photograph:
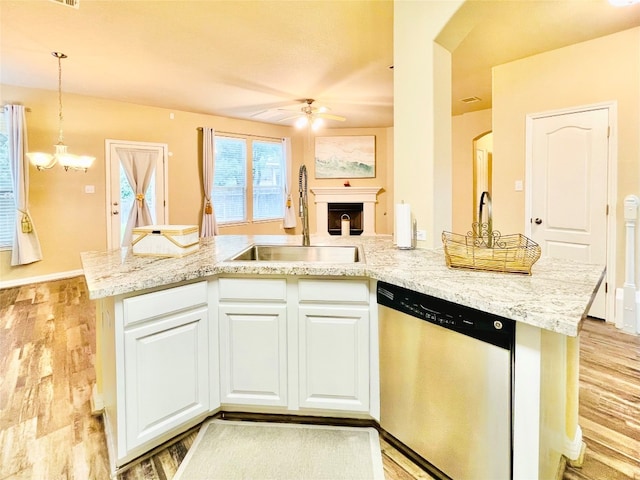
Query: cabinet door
[253,354]
[166,374]
[334,357]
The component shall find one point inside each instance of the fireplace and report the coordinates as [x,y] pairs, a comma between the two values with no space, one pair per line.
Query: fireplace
[366,197]
[335,213]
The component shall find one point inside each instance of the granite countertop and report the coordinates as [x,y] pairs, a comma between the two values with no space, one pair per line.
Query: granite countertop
[555,297]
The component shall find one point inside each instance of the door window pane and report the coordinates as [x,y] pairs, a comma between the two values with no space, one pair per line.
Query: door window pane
[127,197]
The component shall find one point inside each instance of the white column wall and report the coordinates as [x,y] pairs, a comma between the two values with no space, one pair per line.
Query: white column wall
[422,115]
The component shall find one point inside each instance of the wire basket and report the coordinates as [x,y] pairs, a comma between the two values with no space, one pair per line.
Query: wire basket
[493,252]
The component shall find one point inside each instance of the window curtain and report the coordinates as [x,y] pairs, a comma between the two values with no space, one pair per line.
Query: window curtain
[209,226]
[138,166]
[289,220]
[26,247]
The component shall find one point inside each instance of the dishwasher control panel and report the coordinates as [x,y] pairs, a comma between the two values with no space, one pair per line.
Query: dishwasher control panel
[483,326]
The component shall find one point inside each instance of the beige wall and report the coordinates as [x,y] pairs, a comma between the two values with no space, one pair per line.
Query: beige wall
[464,128]
[69,221]
[602,70]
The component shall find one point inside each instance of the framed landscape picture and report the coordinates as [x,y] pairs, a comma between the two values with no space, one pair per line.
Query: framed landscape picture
[346,157]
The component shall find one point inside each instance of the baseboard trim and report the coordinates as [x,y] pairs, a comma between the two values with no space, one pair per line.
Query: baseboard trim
[146,456]
[413,456]
[574,447]
[627,323]
[41,278]
[97,405]
[578,462]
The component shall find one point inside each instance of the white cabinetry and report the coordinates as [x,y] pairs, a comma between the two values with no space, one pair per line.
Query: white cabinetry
[253,341]
[170,358]
[298,344]
[161,378]
[333,339]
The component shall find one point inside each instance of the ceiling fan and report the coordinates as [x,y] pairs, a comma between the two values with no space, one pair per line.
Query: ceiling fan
[310,115]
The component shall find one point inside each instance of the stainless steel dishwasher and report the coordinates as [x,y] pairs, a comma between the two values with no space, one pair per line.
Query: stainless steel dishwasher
[446,383]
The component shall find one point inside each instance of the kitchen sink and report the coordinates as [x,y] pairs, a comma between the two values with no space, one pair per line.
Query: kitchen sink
[298,253]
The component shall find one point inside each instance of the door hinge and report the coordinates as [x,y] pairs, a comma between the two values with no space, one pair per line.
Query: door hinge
[608,131]
[606,287]
[607,210]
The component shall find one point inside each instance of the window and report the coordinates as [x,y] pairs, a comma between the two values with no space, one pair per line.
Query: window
[230,180]
[268,181]
[7,201]
[244,162]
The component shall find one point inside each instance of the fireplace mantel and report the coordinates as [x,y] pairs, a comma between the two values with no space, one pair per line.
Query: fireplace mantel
[368,196]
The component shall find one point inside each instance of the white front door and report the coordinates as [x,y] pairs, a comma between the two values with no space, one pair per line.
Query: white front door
[121,196]
[568,200]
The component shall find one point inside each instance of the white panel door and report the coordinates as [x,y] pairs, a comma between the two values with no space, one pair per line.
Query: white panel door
[253,354]
[569,188]
[166,374]
[334,357]
[120,197]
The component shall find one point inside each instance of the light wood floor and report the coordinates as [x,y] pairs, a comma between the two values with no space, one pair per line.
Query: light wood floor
[47,349]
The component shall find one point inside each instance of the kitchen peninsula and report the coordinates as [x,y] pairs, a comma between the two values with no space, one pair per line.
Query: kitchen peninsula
[199,294]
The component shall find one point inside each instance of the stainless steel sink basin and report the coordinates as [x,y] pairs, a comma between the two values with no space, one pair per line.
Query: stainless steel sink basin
[298,253]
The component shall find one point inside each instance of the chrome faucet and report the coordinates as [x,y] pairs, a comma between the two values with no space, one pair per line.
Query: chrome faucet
[486,228]
[304,210]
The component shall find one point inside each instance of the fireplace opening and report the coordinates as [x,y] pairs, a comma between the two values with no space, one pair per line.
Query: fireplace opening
[337,210]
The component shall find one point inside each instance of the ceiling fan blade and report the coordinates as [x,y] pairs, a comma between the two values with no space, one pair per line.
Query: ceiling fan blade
[267,114]
[331,117]
[287,109]
[284,119]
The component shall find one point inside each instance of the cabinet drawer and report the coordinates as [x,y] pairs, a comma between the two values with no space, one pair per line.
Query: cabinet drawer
[261,289]
[164,302]
[333,291]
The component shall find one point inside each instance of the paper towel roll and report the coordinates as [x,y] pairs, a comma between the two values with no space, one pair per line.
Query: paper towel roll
[404,234]
[345,225]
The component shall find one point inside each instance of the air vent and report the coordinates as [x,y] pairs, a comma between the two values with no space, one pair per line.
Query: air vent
[68,3]
[470,100]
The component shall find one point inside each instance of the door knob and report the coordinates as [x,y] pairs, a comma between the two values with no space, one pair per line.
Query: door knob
[115,212]
[538,221]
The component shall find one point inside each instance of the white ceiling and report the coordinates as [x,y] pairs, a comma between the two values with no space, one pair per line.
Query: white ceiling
[243,59]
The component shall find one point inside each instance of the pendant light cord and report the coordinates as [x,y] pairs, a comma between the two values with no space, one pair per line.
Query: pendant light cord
[60,56]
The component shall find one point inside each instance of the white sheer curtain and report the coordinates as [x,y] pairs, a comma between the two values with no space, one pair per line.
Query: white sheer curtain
[209,226]
[289,220]
[138,166]
[26,247]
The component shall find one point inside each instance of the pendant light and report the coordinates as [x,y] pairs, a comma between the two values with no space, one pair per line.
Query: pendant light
[43,161]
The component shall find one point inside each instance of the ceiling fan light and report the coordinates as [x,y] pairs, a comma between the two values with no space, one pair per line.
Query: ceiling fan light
[622,3]
[302,122]
[316,123]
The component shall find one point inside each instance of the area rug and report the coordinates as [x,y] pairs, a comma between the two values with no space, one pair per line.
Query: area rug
[232,450]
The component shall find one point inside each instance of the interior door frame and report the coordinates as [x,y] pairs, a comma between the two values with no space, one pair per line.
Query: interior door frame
[612,189]
[165,163]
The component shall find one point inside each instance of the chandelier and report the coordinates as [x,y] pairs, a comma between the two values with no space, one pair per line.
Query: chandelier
[43,161]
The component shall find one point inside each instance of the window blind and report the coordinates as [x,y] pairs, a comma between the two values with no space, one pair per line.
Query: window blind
[7,200]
